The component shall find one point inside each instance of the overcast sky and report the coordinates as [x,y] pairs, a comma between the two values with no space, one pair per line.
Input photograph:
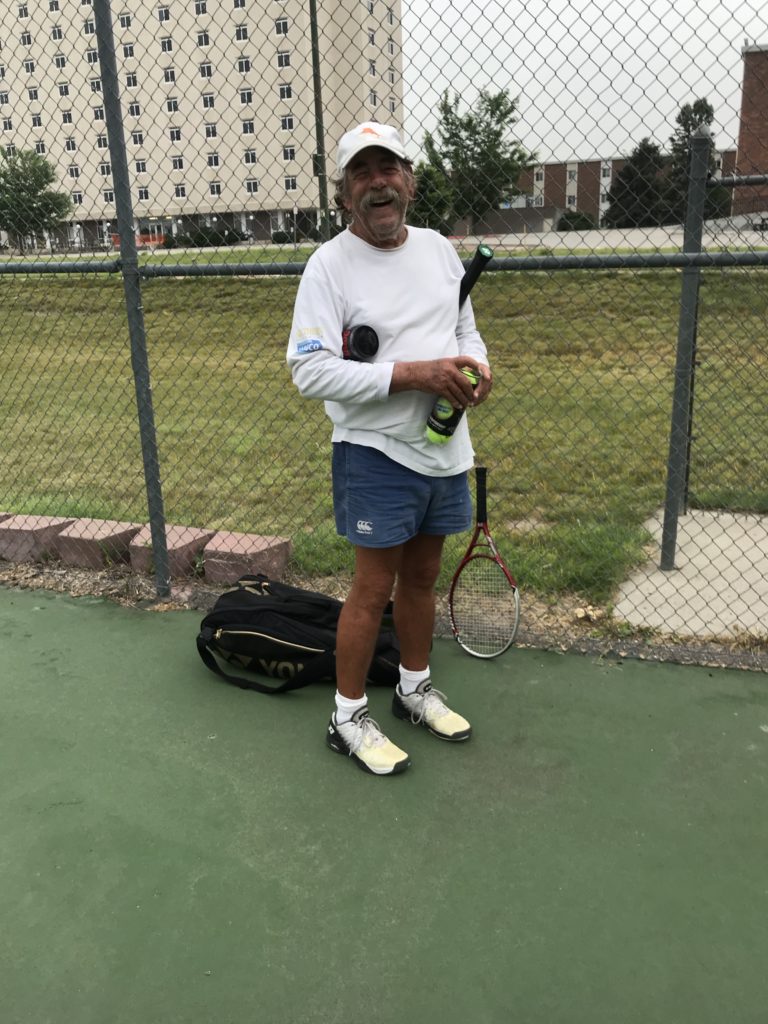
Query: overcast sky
[592,78]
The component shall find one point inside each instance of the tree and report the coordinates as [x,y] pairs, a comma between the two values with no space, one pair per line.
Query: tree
[431,207]
[637,197]
[28,205]
[573,220]
[718,200]
[472,156]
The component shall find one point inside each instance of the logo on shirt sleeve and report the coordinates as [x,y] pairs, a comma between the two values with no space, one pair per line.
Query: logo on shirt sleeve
[310,345]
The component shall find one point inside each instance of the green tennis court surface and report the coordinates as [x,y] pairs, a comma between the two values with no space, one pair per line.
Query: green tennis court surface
[176,850]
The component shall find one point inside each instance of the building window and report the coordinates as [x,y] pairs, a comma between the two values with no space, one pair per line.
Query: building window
[210,131]
[172,105]
[290,184]
[89,27]
[131,80]
[281,26]
[177,162]
[391,15]
[201,7]
[246,96]
[215,188]
[10,150]
[92,56]
[538,176]
[180,191]
[283,59]
[56,32]
[60,61]
[163,14]
[239,5]
[208,101]
[3,98]
[166,44]
[40,148]
[105,170]
[127,49]
[169,75]
[66,117]
[74,171]
[251,186]
[37,121]
[286,122]
[23,11]
[391,76]
[174,134]
[109,195]
[372,68]
[243,64]
[241,33]
[206,70]
[95,85]
[605,172]
[371,37]
[571,175]
[26,38]
[571,200]
[391,47]
[247,128]
[101,142]
[203,39]
[53,5]
[63,88]
[392,105]
[137,138]
[134,109]
[143,195]
[213,159]
[2,71]
[373,98]
[141,166]
[29,66]
[70,145]
[98,113]
[286,92]
[77,198]
[289,152]
[249,156]
[125,21]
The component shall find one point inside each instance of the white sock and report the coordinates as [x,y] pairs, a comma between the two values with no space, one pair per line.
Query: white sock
[345,708]
[409,681]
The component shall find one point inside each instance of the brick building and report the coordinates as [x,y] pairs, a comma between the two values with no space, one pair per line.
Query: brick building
[752,153]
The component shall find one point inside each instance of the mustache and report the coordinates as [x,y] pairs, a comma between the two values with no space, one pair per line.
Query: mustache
[382,194]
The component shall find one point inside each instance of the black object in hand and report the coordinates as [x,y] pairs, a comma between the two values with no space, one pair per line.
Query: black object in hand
[359,343]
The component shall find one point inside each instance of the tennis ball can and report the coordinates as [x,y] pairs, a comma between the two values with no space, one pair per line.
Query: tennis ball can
[444,419]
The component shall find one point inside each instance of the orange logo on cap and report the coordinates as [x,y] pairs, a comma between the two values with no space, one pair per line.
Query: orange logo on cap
[369,131]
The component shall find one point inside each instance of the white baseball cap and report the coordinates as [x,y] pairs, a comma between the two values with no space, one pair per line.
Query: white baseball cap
[369,133]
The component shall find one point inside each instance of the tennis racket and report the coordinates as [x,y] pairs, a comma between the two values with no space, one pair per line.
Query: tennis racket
[483,601]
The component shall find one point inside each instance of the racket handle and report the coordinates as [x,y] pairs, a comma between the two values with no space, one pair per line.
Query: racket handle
[482,254]
[481,473]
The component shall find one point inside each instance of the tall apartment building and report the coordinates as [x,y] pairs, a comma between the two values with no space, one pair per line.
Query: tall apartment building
[217,98]
[752,154]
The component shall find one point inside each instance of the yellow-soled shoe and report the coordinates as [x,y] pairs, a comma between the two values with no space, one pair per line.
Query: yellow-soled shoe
[363,741]
[427,707]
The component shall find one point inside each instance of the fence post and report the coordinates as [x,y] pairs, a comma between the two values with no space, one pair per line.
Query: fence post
[129,260]
[319,161]
[682,400]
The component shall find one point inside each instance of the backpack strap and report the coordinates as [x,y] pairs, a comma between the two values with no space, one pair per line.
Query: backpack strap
[321,667]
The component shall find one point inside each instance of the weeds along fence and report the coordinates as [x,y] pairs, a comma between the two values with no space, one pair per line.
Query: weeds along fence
[168,168]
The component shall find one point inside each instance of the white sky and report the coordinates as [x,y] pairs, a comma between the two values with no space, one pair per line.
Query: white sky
[592,78]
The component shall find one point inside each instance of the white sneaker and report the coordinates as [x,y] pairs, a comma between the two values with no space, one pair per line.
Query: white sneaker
[363,741]
[427,707]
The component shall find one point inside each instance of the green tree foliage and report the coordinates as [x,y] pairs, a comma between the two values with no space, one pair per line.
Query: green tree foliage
[28,204]
[431,207]
[471,156]
[637,198]
[718,201]
[572,220]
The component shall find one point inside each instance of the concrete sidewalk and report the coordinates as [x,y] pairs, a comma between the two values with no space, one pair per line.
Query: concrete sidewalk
[177,850]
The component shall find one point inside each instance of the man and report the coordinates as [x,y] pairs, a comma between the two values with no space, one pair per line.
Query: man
[396,494]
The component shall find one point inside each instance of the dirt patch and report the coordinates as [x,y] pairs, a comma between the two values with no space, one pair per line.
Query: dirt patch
[567,625]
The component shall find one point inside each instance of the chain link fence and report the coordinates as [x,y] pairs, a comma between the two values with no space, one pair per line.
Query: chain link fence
[166,169]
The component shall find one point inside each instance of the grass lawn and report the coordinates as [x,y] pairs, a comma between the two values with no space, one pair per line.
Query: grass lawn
[575,435]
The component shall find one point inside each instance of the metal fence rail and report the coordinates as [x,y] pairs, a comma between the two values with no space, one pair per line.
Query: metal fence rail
[142,349]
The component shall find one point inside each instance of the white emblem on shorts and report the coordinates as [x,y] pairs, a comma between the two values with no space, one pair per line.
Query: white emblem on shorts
[364,526]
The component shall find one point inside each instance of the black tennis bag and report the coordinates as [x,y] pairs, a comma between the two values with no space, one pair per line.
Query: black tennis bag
[282,632]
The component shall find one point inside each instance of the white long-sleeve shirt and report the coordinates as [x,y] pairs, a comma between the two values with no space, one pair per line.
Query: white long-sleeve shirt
[410,297]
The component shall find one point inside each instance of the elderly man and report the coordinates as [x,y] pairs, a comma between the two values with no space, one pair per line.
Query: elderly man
[396,493]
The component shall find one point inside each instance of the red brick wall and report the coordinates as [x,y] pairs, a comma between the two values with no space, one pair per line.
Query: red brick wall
[588,188]
[752,156]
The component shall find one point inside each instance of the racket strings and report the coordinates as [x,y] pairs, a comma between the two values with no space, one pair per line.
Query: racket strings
[484,607]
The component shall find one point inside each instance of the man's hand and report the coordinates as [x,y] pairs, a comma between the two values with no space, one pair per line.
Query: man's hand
[443,377]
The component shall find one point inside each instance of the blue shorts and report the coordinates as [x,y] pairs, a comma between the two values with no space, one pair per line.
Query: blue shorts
[380,504]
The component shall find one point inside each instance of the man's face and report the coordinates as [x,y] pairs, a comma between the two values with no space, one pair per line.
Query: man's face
[377,191]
